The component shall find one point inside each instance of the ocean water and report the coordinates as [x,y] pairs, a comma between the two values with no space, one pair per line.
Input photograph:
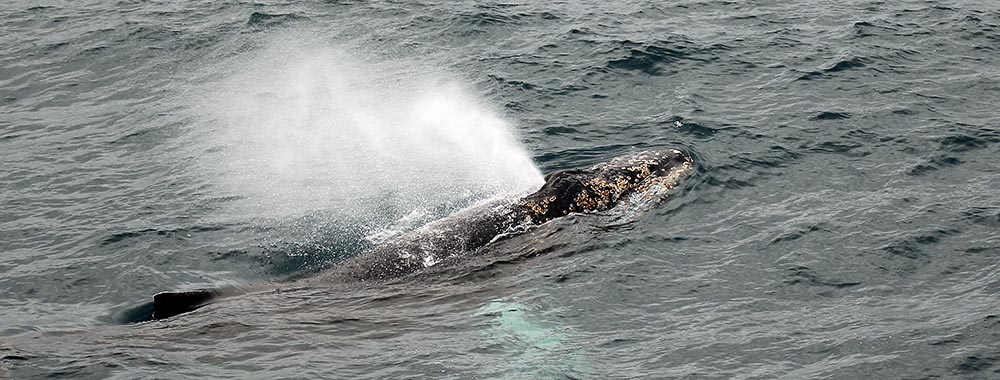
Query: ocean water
[843,222]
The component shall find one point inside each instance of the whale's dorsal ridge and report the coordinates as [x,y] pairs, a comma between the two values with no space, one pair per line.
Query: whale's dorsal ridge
[598,188]
[169,304]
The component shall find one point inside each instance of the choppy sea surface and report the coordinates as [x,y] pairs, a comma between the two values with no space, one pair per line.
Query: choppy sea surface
[843,222]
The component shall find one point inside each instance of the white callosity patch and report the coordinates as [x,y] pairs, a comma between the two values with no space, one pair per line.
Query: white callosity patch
[652,192]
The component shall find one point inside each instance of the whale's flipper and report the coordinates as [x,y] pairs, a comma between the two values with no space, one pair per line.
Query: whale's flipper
[169,304]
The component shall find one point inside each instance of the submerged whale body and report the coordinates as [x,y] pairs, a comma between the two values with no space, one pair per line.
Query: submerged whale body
[640,177]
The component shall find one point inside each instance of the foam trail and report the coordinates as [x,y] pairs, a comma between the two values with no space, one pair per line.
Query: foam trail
[301,128]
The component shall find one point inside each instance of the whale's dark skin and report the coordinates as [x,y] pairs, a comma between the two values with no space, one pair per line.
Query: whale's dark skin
[598,188]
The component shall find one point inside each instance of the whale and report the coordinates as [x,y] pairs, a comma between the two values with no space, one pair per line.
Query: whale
[637,178]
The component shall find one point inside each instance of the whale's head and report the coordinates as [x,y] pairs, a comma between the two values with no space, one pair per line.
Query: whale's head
[604,185]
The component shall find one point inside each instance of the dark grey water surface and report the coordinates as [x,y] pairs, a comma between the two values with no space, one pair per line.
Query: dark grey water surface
[843,222]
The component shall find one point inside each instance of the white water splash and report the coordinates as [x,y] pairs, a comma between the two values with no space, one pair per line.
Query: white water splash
[303,127]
